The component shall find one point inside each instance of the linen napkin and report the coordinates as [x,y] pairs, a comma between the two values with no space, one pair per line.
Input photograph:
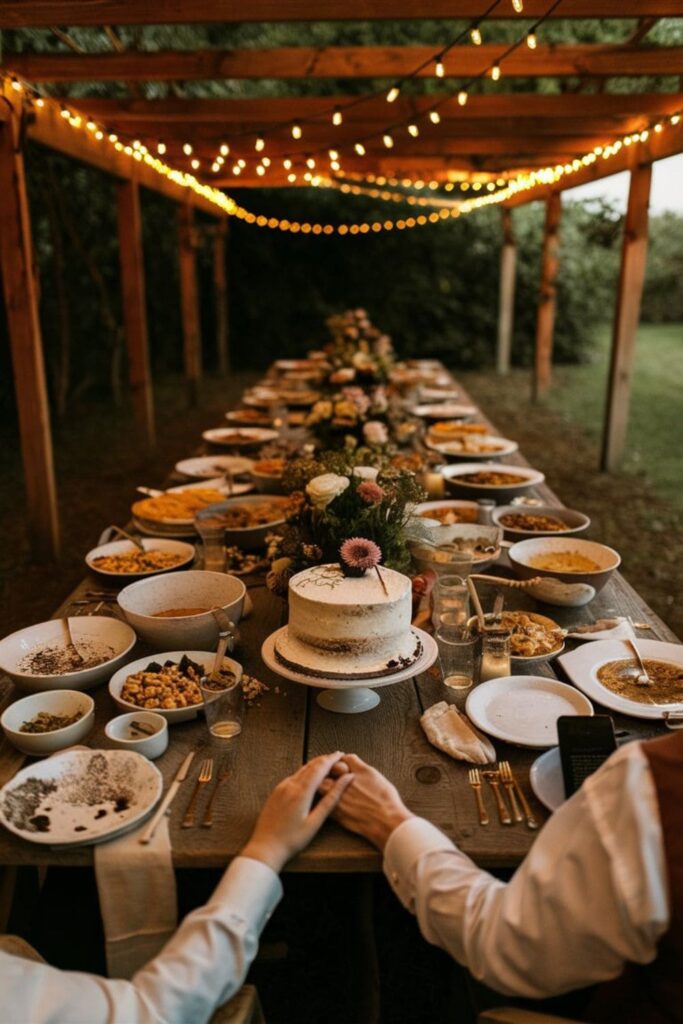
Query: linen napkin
[622,630]
[449,731]
[138,900]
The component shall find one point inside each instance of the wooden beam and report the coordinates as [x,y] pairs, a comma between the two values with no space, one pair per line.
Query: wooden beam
[23,324]
[545,319]
[43,13]
[506,300]
[220,292]
[189,302]
[243,114]
[630,291]
[292,62]
[53,131]
[134,308]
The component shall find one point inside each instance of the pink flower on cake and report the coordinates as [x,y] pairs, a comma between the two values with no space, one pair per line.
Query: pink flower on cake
[375,432]
[370,492]
[359,555]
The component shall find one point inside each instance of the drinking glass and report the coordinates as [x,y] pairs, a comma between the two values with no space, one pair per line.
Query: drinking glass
[223,708]
[213,544]
[450,602]
[495,656]
[456,656]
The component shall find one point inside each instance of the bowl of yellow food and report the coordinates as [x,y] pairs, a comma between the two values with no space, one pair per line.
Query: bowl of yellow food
[169,683]
[568,559]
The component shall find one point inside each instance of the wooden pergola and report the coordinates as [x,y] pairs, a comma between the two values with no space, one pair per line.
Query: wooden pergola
[493,137]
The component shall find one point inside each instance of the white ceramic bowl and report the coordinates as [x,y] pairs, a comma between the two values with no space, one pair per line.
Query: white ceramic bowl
[455,504]
[528,478]
[606,558]
[190,589]
[249,538]
[205,658]
[267,483]
[54,702]
[97,631]
[122,736]
[124,547]
[575,522]
[449,449]
[424,558]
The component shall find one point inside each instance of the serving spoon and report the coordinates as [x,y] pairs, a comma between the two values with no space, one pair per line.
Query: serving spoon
[642,678]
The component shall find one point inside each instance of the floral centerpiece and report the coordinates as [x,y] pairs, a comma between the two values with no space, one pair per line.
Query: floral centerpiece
[355,515]
[351,417]
[358,351]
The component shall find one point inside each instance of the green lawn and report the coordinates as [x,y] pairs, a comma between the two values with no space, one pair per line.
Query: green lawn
[655,431]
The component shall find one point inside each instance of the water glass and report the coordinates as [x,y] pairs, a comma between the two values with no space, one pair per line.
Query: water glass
[213,544]
[457,649]
[450,602]
[223,708]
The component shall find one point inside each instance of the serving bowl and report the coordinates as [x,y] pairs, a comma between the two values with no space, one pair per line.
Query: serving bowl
[444,411]
[171,715]
[267,482]
[92,634]
[575,522]
[527,477]
[124,547]
[208,467]
[141,603]
[497,448]
[426,557]
[521,554]
[123,735]
[248,538]
[53,702]
[468,509]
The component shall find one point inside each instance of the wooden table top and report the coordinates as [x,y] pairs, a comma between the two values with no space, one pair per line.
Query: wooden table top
[287,727]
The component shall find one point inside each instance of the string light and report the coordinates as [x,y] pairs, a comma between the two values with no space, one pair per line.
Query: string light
[531,40]
[434,116]
[287,164]
[16,84]
[439,69]
[296,131]
[462,97]
[359,148]
[388,141]
[194,164]
[333,154]
[495,72]
[236,169]
[475,36]
[337,117]
[518,6]
[310,162]
[393,94]
[265,160]
[260,144]
[161,147]
[260,170]
[187,149]
[225,149]
[413,130]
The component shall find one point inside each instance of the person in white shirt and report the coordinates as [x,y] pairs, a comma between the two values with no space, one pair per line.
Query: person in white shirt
[590,898]
[207,959]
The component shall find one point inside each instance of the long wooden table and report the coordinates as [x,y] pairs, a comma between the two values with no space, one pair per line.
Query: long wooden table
[288,727]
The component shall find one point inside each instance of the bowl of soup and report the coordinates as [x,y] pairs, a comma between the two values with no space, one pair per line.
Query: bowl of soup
[174,610]
[569,559]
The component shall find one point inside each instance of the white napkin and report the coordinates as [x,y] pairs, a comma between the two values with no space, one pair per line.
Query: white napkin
[449,731]
[138,900]
[622,631]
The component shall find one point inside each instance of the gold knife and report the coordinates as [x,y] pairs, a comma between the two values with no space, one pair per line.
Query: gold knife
[180,777]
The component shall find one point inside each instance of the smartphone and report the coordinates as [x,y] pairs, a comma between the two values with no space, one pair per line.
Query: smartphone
[586,741]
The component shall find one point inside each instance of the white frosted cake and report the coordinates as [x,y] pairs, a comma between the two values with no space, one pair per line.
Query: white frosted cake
[344,627]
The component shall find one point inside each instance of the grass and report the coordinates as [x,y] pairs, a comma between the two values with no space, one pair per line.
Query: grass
[654,441]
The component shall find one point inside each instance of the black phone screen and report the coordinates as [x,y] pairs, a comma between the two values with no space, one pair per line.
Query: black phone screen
[586,741]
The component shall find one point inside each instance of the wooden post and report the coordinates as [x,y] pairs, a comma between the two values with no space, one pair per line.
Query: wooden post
[631,278]
[506,299]
[545,319]
[21,305]
[189,300]
[134,311]
[220,290]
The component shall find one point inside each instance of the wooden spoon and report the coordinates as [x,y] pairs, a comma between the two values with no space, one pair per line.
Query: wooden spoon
[128,536]
[70,645]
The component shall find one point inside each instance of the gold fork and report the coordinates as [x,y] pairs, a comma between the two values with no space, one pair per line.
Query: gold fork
[506,770]
[509,784]
[205,773]
[223,775]
[475,783]
[493,779]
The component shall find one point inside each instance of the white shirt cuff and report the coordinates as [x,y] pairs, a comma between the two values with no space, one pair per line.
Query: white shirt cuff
[405,846]
[250,890]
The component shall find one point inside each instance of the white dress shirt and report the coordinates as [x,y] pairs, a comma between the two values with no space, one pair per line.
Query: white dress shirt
[201,967]
[590,896]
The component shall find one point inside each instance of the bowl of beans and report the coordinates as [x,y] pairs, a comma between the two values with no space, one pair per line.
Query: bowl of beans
[539,521]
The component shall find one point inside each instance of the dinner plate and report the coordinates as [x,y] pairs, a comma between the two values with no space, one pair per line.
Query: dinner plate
[218,484]
[524,709]
[154,529]
[207,467]
[242,417]
[172,715]
[529,659]
[80,797]
[546,780]
[444,411]
[504,446]
[582,665]
[226,436]
[125,547]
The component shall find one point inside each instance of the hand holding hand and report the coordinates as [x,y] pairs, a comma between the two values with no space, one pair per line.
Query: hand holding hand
[287,823]
[371,805]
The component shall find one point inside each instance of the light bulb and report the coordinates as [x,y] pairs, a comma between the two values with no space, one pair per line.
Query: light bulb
[310,162]
[236,169]
[337,116]
[532,41]
[495,72]
[518,6]
[393,94]
[413,130]
[40,102]
[265,161]
[434,116]
[439,69]
[115,138]
[475,36]
[225,149]
[64,113]
[241,162]
[388,141]
[291,177]
[360,149]
[260,144]
[462,97]
[17,86]
[287,164]
[194,164]
[333,154]
[187,149]
[260,170]
[296,131]
[335,165]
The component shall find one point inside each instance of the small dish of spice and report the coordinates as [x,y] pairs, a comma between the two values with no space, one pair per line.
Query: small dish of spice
[44,723]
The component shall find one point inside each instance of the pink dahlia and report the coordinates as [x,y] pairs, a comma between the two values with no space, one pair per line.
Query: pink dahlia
[358,555]
[370,492]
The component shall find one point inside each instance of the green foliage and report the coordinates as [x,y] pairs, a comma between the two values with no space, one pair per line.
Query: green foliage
[663,295]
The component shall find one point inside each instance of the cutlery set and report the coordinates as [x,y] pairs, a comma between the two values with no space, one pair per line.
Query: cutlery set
[501,782]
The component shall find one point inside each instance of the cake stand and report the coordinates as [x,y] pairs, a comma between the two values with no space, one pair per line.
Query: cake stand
[350,696]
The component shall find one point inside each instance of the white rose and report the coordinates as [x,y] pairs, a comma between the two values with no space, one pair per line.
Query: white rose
[324,489]
[366,472]
[375,432]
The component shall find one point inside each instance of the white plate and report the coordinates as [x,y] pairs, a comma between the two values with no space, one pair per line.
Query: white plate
[524,709]
[439,394]
[504,446]
[205,658]
[125,547]
[241,417]
[444,411]
[152,529]
[425,661]
[582,667]
[207,467]
[225,435]
[217,484]
[83,797]
[545,778]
